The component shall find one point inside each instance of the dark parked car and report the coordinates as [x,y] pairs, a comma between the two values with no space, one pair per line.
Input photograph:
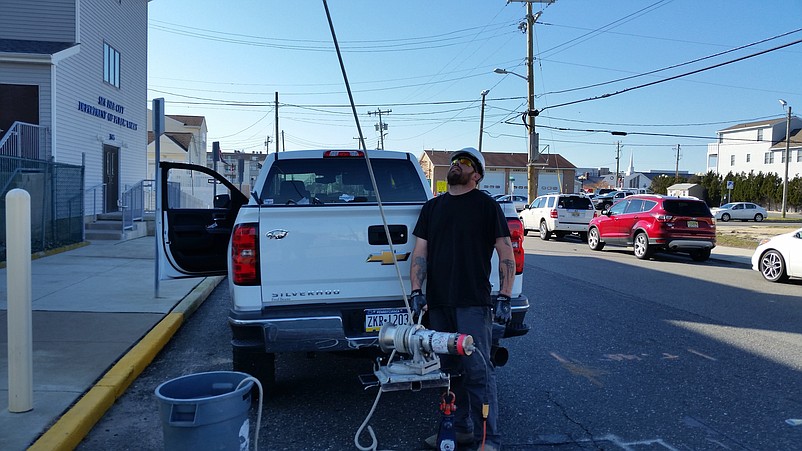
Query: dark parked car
[651,223]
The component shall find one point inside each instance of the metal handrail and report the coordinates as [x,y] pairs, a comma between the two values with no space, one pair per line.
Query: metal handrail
[93,190]
[27,141]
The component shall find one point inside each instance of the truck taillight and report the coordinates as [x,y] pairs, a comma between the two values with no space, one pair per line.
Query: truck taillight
[245,254]
[553,214]
[517,238]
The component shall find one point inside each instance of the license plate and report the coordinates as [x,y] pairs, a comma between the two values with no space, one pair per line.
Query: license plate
[574,213]
[375,318]
[693,224]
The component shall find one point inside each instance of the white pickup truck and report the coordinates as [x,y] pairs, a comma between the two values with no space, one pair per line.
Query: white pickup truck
[307,256]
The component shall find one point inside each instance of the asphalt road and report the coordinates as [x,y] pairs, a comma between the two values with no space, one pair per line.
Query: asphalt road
[623,354]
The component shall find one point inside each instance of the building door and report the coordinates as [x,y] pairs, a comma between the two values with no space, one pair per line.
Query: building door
[111,176]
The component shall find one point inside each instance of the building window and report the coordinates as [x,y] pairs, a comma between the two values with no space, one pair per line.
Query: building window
[782,156]
[768,158]
[111,65]
[748,157]
[732,160]
[799,156]
[760,134]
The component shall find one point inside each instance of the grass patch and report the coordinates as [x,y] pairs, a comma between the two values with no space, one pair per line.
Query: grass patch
[733,240]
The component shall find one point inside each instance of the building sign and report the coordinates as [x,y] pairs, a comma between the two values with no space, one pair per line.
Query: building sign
[108,110]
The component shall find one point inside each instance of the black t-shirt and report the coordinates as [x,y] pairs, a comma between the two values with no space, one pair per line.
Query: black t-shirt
[461,232]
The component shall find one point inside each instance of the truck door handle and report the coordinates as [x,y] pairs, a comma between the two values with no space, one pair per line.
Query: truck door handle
[276,234]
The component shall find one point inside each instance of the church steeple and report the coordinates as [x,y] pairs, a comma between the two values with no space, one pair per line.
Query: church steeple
[631,168]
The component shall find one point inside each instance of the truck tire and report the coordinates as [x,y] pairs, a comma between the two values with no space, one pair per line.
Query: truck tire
[257,363]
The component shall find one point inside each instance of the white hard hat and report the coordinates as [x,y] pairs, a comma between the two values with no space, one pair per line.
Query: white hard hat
[474,155]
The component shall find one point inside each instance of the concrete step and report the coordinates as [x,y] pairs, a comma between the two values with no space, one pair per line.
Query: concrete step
[104,225]
[112,230]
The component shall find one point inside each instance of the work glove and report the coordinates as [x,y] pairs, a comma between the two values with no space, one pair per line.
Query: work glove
[502,314]
[418,302]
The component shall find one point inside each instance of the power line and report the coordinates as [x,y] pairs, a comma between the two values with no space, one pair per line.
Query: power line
[675,65]
[604,96]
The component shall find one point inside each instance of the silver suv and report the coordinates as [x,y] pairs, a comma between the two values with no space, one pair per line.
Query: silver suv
[559,214]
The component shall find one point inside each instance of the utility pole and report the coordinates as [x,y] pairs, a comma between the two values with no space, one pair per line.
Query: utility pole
[617,161]
[276,122]
[676,168]
[534,145]
[482,119]
[381,127]
[267,144]
[787,156]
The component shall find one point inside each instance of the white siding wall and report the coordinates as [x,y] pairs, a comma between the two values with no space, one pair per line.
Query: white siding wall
[740,143]
[30,74]
[38,20]
[123,25]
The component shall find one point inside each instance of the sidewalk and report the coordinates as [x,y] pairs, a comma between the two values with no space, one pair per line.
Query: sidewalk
[732,255]
[91,306]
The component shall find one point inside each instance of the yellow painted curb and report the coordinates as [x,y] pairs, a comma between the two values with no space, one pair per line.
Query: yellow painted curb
[73,426]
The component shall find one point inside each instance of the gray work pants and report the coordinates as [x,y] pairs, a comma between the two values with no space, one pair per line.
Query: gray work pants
[477,386]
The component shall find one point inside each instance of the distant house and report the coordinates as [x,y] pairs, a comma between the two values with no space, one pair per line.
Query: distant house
[757,147]
[184,140]
[506,173]
[686,190]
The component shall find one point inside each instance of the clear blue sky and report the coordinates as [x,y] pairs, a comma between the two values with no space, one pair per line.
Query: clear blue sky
[428,62]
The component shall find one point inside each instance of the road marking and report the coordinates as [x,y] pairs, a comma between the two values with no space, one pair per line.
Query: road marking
[694,351]
[577,369]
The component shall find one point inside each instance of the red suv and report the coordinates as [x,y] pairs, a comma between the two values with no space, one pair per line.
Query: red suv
[651,223]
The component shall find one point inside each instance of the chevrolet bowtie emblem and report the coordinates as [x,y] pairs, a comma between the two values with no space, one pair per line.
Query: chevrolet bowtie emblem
[386,258]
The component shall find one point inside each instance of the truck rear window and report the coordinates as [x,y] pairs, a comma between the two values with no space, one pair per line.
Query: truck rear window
[340,180]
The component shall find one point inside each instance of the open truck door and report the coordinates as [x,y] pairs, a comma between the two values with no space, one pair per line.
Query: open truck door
[198,209]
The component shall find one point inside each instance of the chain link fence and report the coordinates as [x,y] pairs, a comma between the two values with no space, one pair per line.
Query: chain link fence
[57,201]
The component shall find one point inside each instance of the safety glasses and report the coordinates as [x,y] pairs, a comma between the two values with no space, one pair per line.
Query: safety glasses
[462,161]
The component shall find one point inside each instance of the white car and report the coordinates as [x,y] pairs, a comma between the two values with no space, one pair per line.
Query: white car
[559,215]
[780,257]
[519,201]
[744,211]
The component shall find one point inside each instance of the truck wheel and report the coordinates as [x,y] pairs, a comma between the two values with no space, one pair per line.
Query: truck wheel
[641,244]
[544,231]
[257,363]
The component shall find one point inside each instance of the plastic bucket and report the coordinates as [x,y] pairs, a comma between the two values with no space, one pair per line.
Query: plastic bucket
[206,411]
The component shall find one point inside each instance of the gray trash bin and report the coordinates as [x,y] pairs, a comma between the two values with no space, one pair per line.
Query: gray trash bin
[206,411]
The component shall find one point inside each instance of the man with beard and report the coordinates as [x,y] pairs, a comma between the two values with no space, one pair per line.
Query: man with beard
[456,235]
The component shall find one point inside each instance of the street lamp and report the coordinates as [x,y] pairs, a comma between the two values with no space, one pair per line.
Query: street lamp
[482,119]
[787,154]
[508,72]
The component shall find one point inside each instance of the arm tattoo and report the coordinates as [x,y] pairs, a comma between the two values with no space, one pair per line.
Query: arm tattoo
[506,274]
[506,266]
[418,272]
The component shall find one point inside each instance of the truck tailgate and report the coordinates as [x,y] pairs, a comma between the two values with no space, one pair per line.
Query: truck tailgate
[346,246]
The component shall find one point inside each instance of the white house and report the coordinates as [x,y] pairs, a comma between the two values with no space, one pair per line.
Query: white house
[757,147]
[77,69]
